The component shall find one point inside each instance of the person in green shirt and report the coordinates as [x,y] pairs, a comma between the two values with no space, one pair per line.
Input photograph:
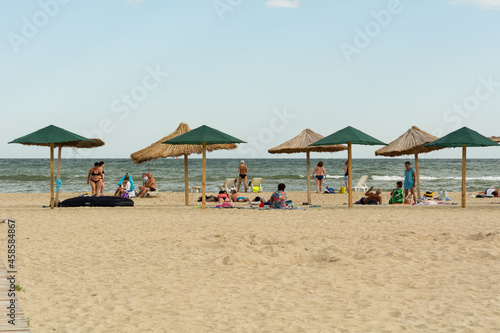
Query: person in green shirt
[397,196]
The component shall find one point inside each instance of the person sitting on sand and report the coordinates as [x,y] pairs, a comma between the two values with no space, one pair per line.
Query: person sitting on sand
[236,198]
[95,175]
[371,198]
[125,185]
[397,195]
[222,197]
[278,198]
[150,186]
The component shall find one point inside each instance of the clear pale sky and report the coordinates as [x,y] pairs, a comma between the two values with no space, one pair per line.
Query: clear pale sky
[262,70]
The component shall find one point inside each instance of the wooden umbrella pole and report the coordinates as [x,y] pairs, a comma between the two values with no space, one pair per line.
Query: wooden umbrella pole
[59,153]
[51,176]
[308,178]
[186,181]
[464,167]
[418,176]
[349,166]
[204,177]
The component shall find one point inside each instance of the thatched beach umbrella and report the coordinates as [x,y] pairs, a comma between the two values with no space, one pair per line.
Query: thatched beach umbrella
[300,144]
[349,135]
[495,138]
[161,150]
[412,142]
[462,138]
[53,136]
[204,136]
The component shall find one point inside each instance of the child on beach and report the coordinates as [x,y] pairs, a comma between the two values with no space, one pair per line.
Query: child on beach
[397,196]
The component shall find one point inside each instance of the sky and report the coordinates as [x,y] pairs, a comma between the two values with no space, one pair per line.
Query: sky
[129,72]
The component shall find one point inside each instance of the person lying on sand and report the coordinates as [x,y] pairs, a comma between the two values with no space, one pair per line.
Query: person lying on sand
[236,198]
[371,198]
[222,197]
[490,192]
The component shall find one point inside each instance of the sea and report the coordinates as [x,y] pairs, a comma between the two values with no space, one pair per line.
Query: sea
[33,175]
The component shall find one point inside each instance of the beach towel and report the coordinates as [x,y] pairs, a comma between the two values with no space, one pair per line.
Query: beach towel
[59,184]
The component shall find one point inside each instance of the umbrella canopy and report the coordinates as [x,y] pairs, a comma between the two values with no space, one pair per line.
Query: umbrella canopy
[412,142]
[349,135]
[300,144]
[53,136]
[161,150]
[463,137]
[204,135]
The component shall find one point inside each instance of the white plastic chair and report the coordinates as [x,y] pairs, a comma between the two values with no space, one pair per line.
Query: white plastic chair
[361,185]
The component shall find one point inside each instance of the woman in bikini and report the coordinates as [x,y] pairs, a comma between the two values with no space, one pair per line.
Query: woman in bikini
[94,178]
[242,170]
[320,172]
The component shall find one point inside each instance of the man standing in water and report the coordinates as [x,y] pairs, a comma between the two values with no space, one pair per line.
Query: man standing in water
[409,183]
[242,170]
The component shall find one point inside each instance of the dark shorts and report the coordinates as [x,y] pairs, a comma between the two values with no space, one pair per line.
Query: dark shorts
[152,189]
[361,200]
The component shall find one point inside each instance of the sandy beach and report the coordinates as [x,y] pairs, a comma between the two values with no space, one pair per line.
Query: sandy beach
[164,267]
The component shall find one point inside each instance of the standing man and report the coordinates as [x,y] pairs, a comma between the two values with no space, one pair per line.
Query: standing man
[242,170]
[409,183]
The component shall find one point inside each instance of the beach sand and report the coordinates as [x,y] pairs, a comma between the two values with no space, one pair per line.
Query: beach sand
[164,267]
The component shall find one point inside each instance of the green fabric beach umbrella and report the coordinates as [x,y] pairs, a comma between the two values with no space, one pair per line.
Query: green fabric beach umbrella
[462,138]
[53,136]
[203,135]
[349,136]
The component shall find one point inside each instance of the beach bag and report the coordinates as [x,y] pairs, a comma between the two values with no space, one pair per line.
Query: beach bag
[255,189]
[289,203]
[428,194]
[131,194]
[125,195]
[342,189]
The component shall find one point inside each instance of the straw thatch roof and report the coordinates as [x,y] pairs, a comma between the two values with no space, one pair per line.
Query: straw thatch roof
[410,143]
[84,144]
[495,138]
[162,150]
[300,144]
